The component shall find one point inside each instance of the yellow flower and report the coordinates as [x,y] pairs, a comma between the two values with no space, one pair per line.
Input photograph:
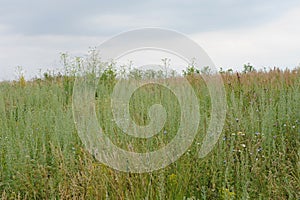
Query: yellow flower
[227,194]
[173,178]
[22,81]
[240,133]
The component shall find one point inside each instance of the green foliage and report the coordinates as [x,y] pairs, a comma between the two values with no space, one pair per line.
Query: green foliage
[191,70]
[248,68]
[257,157]
[109,74]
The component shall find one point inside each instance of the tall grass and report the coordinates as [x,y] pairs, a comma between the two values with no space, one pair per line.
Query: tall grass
[257,156]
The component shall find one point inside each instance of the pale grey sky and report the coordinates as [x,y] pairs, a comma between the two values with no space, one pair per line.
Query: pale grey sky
[232,32]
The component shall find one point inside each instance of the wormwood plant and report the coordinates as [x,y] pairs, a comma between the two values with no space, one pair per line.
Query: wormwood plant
[257,156]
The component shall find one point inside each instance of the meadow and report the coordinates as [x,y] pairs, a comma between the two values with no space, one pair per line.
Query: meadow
[256,157]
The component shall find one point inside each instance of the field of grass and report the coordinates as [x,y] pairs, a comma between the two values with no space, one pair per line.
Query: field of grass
[256,157]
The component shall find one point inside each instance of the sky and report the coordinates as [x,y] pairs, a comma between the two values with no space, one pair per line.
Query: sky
[33,33]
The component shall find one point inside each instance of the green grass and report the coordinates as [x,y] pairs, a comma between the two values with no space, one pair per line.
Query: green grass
[256,157]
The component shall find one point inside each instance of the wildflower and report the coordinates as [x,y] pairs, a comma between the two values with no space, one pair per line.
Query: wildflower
[284,125]
[188,152]
[227,194]
[224,138]
[243,145]
[237,119]
[240,133]
[22,81]
[165,132]
[173,178]
[293,126]
[257,133]
[259,149]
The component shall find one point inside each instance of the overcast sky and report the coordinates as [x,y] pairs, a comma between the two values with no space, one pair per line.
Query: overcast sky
[232,32]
